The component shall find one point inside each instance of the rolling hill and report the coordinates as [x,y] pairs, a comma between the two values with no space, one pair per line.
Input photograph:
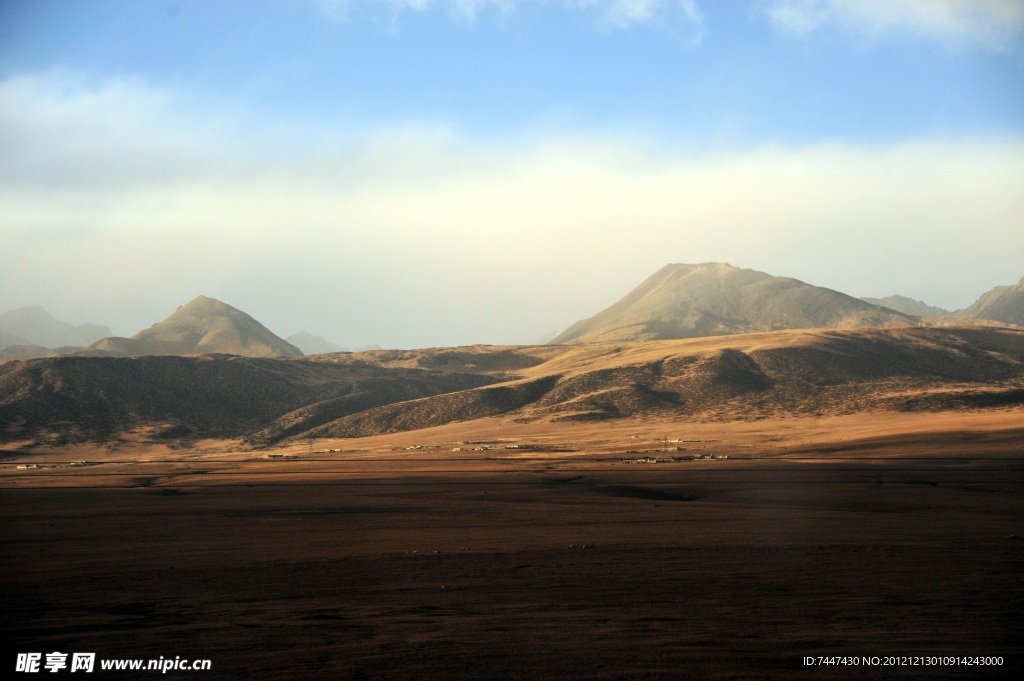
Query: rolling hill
[75,399]
[260,402]
[737,377]
[714,299]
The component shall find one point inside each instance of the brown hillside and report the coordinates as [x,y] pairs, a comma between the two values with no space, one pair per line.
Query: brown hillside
[74,399]
[737,377]
[262,402]
[490,360]
[713,299]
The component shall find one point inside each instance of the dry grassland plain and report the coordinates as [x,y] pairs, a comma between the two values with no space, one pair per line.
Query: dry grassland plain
[549,555]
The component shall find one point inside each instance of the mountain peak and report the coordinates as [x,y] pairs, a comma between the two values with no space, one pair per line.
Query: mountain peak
[205,304]
[712,299]
[202,326]
[720,268]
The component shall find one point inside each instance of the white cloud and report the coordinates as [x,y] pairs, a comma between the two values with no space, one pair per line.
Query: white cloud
[61,128]
[618,14]
[628,13]
[416,236]
[990,24]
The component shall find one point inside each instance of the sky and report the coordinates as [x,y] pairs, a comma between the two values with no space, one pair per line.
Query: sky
[415,173]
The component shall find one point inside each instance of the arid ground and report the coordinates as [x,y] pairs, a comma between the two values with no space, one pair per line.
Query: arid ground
[395,557]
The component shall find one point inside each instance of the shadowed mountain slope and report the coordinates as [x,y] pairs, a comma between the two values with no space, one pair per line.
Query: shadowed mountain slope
[713,299]
[203,326]
[69,399]
[1001,304]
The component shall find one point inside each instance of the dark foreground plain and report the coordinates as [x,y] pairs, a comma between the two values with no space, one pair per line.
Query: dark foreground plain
[455,566]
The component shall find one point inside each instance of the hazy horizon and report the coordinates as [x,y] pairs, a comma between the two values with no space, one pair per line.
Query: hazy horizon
[543,338]
[420,173]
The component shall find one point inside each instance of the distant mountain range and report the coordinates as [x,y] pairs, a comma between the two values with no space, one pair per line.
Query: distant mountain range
[313,345]
[35,327]
[678,301]
[716,299]
[908,306]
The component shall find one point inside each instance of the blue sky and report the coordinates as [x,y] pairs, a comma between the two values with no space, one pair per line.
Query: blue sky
[732,77]
[428,172]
